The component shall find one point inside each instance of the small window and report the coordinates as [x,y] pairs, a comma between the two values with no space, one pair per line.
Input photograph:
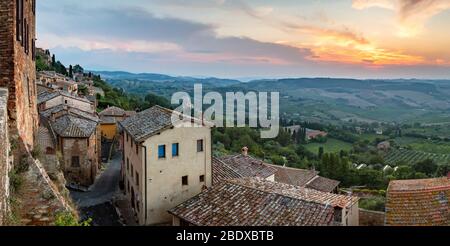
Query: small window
[161,151]
[127,137]
[137,149]
[65,101]
[200,145]
[184,180]
[202,178]
[137,179]
[175,149]
[75,161]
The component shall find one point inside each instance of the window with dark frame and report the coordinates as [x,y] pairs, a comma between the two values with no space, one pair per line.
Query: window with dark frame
[200,145]
[75,161]
[185,180]
[202,178]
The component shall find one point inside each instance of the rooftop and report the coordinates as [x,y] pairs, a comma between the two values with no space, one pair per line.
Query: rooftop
[323,184]
[150,122]
[418,202]
[221,171]
[293,176]
[247,166]
[57,109]
[253,202]
[72,126]
[46,96]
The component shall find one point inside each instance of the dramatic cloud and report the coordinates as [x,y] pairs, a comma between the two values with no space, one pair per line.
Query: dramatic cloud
[412,14]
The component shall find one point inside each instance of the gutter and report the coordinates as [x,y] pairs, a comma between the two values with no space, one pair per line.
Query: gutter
[145,182]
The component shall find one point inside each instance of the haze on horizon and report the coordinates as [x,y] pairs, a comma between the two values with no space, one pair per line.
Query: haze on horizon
[253,38]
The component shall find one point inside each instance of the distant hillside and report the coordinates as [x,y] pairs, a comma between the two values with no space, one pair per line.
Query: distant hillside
[323,100]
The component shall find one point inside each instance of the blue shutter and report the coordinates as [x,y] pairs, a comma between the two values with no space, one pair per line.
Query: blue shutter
[175,149]
[162,151]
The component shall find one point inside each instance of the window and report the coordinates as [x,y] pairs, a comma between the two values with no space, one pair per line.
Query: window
[137,149]
[202,178]
[19,21]
[27,37]
[175,149]
[200,145]
[161,151]
[65,101]
[75,161]
[33,49]
[33,6]
[127,137]
[184,180]
[137,179]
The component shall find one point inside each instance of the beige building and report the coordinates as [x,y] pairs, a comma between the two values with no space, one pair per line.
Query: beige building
[164,164]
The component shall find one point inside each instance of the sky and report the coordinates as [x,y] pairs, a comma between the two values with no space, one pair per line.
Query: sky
[251,38]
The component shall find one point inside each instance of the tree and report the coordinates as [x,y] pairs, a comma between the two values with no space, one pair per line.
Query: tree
[321,151]
[53,60]
[428,167]
[71,71]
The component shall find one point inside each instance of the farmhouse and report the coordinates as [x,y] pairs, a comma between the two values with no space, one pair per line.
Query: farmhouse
[259,202]
[421,202]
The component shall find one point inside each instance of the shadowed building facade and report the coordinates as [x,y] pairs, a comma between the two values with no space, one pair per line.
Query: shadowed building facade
[17,66]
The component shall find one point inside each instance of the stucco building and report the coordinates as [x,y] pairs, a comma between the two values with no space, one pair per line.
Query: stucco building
[164,163]
[17,66]
[110,119]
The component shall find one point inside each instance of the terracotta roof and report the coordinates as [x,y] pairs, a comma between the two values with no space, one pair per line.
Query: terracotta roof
[247,166]
[418,202]
[221,171]
[323,184]
[293,176]
[251,202]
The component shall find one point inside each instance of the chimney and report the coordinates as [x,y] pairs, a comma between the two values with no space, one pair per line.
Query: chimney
[245,151]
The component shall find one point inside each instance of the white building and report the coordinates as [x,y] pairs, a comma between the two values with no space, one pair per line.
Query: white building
[164,164]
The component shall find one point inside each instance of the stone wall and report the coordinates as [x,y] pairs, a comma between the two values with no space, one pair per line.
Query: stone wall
[4,155]
[371,218]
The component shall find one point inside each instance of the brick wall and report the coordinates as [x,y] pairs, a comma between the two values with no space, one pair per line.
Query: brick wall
[4,155]
[17,71]
[371,218]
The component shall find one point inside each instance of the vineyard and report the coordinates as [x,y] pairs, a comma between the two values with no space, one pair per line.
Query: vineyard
[412,156]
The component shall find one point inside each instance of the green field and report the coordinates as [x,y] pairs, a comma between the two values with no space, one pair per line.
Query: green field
[412,157]
[331,146]
[418,144]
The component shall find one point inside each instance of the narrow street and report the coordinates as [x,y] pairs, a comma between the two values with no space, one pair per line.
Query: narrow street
[97,202]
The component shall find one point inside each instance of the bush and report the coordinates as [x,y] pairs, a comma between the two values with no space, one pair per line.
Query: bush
[373,203]
[15,181]
[68,219]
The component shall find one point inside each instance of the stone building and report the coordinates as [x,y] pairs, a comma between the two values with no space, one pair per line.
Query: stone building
[48,100]
[17,66]
[164,163]
[77,136]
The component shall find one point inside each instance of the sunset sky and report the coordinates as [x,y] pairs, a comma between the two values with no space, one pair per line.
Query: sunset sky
[252,38]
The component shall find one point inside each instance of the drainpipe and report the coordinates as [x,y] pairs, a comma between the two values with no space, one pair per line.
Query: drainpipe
[145,182]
